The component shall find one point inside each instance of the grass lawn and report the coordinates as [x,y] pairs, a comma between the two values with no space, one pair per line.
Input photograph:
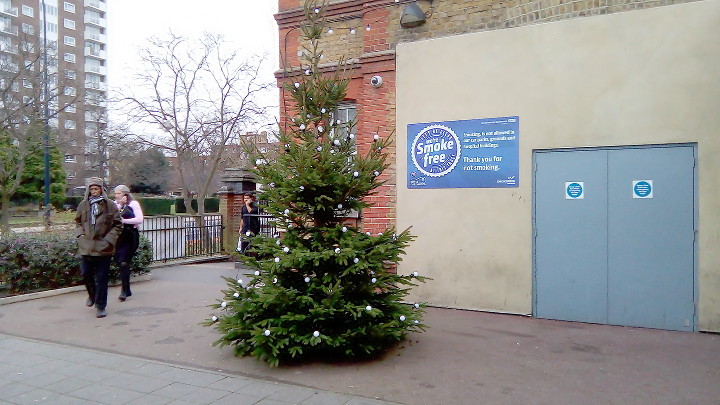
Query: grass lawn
[62,217]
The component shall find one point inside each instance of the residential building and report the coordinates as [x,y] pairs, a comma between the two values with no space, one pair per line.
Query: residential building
[64,41]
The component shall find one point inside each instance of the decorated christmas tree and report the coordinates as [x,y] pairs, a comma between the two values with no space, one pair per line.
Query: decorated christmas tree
[321,288]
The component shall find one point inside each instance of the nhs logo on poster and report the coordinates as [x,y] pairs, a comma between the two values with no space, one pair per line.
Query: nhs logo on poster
[481,153]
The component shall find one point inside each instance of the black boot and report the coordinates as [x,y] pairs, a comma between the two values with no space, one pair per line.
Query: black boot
[124,281]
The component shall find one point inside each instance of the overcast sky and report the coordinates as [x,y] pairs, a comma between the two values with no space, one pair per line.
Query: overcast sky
[248,24]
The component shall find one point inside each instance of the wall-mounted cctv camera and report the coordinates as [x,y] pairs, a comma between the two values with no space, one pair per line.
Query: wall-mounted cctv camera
[376,81]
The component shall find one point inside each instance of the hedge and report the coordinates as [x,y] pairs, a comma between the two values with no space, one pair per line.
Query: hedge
[211,205]
[39,262]
[156,206]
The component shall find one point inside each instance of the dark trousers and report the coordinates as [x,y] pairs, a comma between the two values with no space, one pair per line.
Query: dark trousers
[94,270]
[124,251]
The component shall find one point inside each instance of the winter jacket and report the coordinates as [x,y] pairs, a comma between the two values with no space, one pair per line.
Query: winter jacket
[98,239]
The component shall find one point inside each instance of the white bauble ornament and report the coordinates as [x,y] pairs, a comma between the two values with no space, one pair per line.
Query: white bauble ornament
[352,136]
[415,273]
[316,333]
[356,260]
[302,127]
[416,305]
[274,280]
[271,184]
[416,321]
[368,308]
[277,242]
[344,228]
[223,304]
[340,206]
[376,173]
[240,281]
[336,142]
[317,10]
[323,111]
[248,233]
[368,233]
[258,161]
[301,188]
[319,148]
[286,249]
[236,295]
[379,233]
[355,174]
[286,212]
[267,332]
[376,137]
[277,260]
[257,272]
[308,115]
[402,318]
[373,280]
[214,318]
[337,250]
[320,129]
[307,279]
[307,72]
[297,85]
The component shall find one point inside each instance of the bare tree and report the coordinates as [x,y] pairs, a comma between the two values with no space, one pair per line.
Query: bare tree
[203,96]
[30,93]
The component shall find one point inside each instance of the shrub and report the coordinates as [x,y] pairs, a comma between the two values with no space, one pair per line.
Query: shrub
[41,262]
[156,206]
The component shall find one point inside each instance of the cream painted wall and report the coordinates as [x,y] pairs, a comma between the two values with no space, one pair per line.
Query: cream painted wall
[641,77]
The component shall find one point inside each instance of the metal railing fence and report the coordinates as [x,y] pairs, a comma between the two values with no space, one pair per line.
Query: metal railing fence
[183,236]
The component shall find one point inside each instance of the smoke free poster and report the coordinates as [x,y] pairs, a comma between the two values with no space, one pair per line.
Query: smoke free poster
[479,153]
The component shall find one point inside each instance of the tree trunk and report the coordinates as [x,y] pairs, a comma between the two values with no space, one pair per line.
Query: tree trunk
[5,212]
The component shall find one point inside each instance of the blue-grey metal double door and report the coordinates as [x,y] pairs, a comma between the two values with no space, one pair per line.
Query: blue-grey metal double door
[616,247]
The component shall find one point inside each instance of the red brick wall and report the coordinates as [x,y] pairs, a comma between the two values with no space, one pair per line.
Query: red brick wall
[231,210]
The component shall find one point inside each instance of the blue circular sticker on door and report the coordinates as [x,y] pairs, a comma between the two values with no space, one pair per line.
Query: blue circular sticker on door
[574,189]
[642,188]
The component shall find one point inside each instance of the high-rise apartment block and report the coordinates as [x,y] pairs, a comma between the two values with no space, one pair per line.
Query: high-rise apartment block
[57,48]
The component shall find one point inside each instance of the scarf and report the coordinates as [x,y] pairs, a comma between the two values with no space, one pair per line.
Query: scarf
[94,208]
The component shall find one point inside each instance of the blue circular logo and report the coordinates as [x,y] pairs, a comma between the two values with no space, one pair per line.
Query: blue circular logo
[642,188]
[436,150]
[574,190]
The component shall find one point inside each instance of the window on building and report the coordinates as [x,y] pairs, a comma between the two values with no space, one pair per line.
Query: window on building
[51,10]
[69,7]
[28,47]
[51,27]
[28,29]
[68,23]
[71,175]
[69,57]
[70,74]
[70,91]
[28,11]
[70,159]
[27,83]
[27,100]
[70,124]
[70,41]
[345,116]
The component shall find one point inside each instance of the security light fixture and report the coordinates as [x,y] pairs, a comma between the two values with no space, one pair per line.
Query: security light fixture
[412,16]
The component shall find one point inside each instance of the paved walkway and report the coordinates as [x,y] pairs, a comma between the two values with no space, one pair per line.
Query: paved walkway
[33,372]
[465,357]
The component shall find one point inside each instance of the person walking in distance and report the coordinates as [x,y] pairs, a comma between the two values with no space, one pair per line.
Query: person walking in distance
[131,216]
[98,226]
[250,225]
